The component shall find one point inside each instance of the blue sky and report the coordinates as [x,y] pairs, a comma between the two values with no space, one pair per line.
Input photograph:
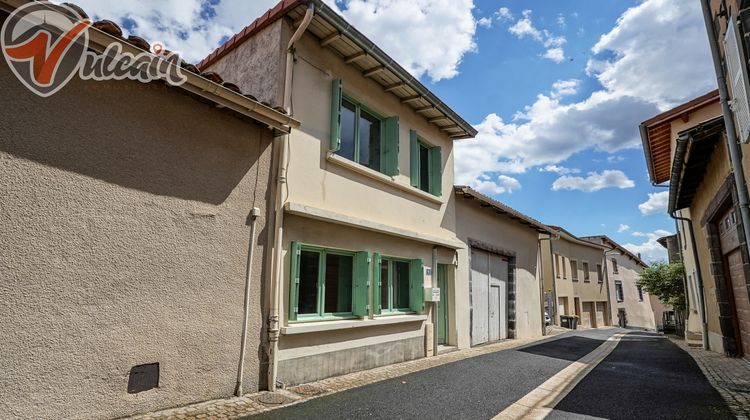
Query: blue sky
[556,89]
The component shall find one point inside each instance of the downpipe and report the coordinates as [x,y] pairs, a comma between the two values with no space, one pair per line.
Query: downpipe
[277,275]
[246,316]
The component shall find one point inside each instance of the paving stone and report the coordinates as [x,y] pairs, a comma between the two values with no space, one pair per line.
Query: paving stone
[730,376]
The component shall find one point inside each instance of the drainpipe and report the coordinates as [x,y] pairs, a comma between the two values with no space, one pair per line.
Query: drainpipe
[277,274]
[540,270]
[735,154]
[246,316]
[435,306]
[606,278]
[698,279]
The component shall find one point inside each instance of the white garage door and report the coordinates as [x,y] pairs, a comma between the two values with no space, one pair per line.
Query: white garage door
[489,297]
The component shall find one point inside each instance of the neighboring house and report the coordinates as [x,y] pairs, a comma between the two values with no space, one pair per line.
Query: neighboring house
[498,285]
[365,217]
[686,146]
[664,315]
[631,305]
[127,219]
[574,279]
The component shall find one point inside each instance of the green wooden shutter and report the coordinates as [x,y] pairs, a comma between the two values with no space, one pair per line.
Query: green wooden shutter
[294,256]
[376,284]
[414,158]
[336,98]
[416,286]
[436,171]
[389,159]
[361,293]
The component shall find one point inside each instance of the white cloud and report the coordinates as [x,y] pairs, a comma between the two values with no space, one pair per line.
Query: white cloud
[644,40]
[556,54]
[594,181]
[650,250]
[408,30]
[561,170]
[524,28]
[656,203]
[565,88]
[502,184]
[639,234]
[503,14]
[623,228]
[485,22]
[561,21]
[633,90]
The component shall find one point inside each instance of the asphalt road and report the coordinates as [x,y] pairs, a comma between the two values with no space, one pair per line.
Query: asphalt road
[645,377]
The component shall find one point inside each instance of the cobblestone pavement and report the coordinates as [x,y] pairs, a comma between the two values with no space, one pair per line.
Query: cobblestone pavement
[250,404]
[730,376]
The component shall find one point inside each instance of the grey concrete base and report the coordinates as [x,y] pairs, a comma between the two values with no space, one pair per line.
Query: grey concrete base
[321,366]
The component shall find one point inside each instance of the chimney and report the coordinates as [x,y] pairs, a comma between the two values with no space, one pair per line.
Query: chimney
[639,255]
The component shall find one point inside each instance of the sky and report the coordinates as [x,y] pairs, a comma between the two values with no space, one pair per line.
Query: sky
[556,89]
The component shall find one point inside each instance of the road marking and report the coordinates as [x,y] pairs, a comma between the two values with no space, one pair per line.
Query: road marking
[540,402]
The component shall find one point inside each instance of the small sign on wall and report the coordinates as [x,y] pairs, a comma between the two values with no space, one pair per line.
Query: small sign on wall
[432,294]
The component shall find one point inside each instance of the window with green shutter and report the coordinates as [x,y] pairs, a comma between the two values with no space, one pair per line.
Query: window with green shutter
[426,165]
[362,135]
[395,285]
[328,283]
[416,285]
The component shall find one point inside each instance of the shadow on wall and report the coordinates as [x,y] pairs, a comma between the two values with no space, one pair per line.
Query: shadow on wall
[147,137]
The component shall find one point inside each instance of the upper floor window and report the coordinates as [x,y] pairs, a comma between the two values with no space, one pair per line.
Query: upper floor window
[599,273]
[640,292]
[574,270]
[615,270]
[426,165]
[557,266]
[619,294]
[586,273]
[361,134]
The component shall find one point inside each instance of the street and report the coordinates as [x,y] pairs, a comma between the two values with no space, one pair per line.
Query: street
[645,376]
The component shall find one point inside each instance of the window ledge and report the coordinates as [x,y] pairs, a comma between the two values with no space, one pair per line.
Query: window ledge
[311,327]
[386,179]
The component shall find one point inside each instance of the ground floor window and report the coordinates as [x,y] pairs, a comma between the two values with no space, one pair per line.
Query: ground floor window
[394,285]
[329,283]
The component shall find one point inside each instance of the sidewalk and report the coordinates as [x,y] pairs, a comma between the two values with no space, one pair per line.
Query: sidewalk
[730,376]
[250,404]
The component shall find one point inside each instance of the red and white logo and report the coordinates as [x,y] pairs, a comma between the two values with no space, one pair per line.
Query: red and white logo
[46,44]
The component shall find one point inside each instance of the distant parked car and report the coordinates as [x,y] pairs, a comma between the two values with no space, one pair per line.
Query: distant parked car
[546,319]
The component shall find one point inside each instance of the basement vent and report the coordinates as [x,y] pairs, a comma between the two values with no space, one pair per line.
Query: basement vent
[143,377]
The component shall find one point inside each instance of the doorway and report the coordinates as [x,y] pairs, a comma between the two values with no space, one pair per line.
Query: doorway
[442,281]
[735,278]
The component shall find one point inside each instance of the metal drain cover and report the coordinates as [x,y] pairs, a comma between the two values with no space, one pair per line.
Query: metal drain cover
[307,390]
[273,398]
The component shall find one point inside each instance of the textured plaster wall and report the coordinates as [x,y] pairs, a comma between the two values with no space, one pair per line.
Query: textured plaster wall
[639,313]
[257,65]
[716,172]
[483,224]
[124,241]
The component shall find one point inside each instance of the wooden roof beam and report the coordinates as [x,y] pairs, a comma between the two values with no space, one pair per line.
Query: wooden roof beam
[373,71]
[394,86]
[330,39]
[354,57]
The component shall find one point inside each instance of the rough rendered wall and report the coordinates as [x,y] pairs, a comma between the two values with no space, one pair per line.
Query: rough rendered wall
[124,241]
[481,224]
[257,65]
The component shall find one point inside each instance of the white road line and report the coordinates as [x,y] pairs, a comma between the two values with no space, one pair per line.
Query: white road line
[538,403]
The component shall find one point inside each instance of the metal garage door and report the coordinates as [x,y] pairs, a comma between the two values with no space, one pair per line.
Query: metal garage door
[587,312]
[601,308]
[489,297]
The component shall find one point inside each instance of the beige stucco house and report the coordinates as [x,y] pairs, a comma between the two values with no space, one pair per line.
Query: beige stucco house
[498,287]
[132,217]
[574,279]
[703,200]
[364,218]
[631,305]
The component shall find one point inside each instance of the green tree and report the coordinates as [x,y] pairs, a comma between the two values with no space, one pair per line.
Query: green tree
[666,282]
